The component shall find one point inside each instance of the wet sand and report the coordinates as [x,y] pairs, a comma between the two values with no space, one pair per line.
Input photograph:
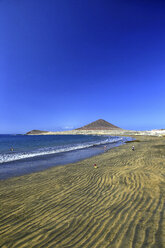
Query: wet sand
[119,204]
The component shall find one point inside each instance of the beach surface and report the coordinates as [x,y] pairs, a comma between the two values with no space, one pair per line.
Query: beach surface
[121,203]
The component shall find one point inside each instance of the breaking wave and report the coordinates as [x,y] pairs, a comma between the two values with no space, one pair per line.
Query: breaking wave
[12,156]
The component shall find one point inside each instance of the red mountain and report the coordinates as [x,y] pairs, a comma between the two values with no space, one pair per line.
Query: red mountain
[99,125]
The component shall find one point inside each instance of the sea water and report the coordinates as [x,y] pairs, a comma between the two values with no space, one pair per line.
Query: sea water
[23,154]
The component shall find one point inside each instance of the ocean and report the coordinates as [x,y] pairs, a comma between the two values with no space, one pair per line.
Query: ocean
[23,154]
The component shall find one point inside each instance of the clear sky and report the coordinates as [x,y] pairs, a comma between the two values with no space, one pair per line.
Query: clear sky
[65,63]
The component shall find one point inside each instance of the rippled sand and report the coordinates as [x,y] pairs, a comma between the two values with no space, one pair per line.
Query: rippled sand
[119,204]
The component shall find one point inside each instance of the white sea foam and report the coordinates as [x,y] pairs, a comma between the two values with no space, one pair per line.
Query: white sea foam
[8,157]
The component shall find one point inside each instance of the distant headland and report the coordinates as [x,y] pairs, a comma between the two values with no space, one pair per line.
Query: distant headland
[36,132]
[100,127]
[95,125]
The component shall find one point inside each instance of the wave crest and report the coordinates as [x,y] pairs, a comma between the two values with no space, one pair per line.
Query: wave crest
[9,157]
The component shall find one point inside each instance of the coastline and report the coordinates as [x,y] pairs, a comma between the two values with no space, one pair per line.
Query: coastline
[18,164]
[119,204]
[113,132]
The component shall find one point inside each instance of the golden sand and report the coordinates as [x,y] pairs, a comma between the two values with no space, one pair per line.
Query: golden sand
[119,204]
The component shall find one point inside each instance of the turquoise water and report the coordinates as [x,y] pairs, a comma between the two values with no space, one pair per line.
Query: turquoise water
[22,154]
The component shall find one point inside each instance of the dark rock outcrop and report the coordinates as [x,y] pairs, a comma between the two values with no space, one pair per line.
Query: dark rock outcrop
[36,132]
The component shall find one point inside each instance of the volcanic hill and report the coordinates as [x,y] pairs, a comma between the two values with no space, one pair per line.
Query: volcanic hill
[36,132]
[99,125]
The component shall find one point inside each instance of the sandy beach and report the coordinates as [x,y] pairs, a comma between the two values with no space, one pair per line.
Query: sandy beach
[121,203]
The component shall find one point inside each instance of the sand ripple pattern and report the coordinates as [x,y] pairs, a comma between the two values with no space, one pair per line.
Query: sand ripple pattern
[121,204]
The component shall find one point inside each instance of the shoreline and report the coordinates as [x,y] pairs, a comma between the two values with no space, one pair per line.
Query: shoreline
[119,204]
[42,162]
[114,132]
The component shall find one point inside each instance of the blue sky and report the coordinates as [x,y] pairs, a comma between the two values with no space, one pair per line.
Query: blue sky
[65,63]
